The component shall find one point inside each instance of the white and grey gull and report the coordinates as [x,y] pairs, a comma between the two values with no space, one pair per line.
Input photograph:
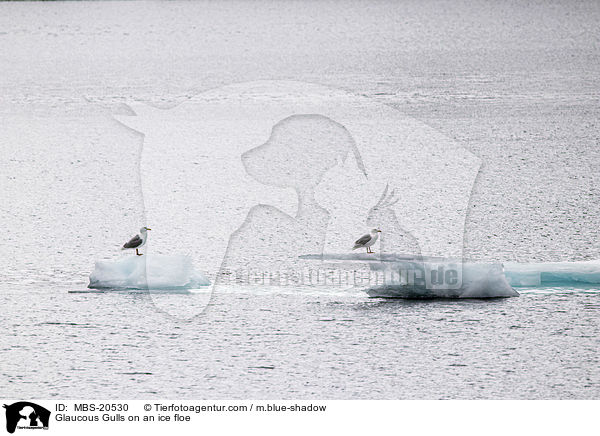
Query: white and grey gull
[366,241]
[138,241]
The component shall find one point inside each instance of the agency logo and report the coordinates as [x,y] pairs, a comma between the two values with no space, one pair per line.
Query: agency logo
[26,415]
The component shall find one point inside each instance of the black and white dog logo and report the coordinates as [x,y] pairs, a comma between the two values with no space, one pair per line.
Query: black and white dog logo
[26,415]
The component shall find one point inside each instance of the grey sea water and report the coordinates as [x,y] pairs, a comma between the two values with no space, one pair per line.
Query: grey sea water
[516,84]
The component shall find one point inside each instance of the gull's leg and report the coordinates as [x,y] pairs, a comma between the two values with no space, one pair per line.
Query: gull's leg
[137,252]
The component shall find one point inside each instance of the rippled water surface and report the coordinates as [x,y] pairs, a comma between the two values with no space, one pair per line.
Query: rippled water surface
[515,84]
[248,345]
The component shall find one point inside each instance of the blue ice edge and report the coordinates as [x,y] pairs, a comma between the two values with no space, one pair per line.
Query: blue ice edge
[148,272]
[479,279]
[573,274]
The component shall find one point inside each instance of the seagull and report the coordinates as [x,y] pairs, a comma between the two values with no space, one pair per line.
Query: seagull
[138,241]
[367,240]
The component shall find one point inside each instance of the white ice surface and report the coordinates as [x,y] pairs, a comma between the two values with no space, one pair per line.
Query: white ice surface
[147,272]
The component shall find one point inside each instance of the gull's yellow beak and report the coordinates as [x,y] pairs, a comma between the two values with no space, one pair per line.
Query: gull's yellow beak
[148,228]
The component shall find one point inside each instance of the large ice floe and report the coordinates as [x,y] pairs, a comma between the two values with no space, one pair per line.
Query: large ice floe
[473,280]
[443,279]
[405,276]
[153,272]
[553,273]
[408,276]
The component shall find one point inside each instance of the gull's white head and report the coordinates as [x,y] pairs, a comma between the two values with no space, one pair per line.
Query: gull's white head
[144,229]
[375,231]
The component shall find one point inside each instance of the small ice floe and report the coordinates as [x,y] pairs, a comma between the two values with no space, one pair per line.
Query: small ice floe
[152,272]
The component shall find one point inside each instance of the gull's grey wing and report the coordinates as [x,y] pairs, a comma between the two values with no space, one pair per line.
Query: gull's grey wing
[134,242]
[362,240]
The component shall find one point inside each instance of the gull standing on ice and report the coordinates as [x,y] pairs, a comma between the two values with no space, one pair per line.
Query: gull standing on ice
[367,240]
[138,241]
